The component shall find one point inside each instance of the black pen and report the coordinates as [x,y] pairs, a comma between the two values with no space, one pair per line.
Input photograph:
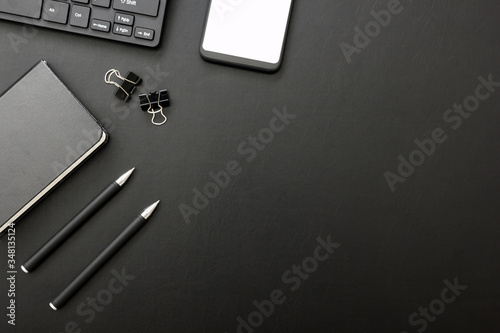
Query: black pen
[62,235]
[102,258]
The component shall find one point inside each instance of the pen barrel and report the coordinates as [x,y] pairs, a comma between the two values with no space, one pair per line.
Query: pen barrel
[76,222]
[98,262]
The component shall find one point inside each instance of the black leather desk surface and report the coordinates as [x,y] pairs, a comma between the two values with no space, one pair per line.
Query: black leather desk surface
[423,257]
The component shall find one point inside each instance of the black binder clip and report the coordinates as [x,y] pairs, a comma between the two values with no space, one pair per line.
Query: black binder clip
[153,103]
[128,85]
[154,100]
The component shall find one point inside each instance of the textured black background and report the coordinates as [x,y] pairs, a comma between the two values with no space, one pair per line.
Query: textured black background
[323,175]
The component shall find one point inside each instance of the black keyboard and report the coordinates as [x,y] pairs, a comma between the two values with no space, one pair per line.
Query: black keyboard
[138,22]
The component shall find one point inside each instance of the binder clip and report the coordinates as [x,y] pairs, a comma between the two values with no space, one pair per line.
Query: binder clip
[128,85]
[153,103]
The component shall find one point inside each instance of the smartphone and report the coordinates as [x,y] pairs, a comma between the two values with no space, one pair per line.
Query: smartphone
[248,33]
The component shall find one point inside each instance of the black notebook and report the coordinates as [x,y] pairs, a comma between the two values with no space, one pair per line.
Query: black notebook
[45,134]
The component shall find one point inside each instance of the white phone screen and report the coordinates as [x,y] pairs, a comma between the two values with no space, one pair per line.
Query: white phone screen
[251,29]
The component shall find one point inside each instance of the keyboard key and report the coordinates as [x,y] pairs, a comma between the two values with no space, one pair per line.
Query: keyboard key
[124,19]
[144,33]
[101,3]
[80,16]
[54,11]
[100,25]
[81,1]
[26,8]
[144,7]
[122,30]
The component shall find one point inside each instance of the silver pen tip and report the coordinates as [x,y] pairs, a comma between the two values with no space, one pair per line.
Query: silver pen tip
[149,211]
[123,179]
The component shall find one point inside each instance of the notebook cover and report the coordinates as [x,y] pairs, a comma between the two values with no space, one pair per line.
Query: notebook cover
[45,134]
